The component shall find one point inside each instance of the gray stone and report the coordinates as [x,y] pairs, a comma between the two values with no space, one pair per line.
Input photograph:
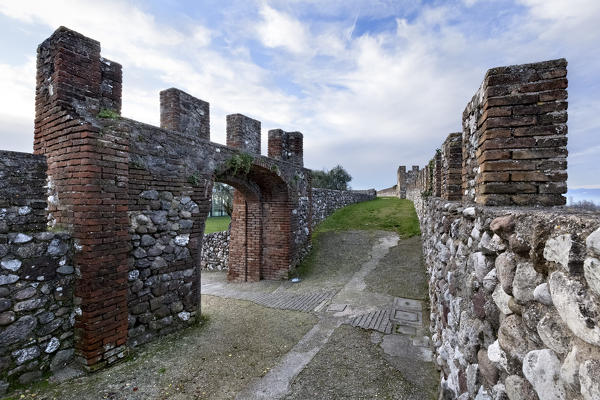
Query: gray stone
[8,279]
[28,305]
[482,394]
[497,356]
[469,212]
[21,238]
[525,281]
[133,275]
[3,250]
[156,250]
[46,317]
[589,378]
[473,381]
[65,270]
[7,317]
[554,333]
[29,377]
[142,219]
[57,248]
[159,262]
[149,195]
[11,265]
[27,354]
[147,240]
[591,270]
[26,293]
[139,253]
[186,224]
[478,263]
[487,368]
[25,210]
[593,242]
[576,307]
[557,250]
[503,225]
[184,316]
[512,337]
[61,359]
[490,280]
[518,388]
[505,270]
[541,294]
[182,240]
[30,250]
[159,217]
[542,370]
[165,195]
[50,327]
[5,304]
[569,371]
[501,299]
[491,245]
[52,345]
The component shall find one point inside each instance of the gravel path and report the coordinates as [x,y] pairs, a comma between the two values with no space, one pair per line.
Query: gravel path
[353,328]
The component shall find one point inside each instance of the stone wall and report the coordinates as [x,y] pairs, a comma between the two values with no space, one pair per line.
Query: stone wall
[515,296]
[326,201]
[515,300]
[37,310]
[215,251]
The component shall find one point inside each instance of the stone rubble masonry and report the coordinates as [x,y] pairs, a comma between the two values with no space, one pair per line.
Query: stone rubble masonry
[215,251]
[182,112]
[515,298]
[101,229]
[37,311]
[286,146]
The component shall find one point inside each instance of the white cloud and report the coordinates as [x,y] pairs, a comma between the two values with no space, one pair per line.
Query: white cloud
[278,29]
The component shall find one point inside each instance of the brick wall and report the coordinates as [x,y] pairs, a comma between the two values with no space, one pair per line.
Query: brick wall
[451,158]
[514,136]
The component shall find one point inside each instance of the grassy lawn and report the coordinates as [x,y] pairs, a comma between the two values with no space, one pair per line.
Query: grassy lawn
[386,214]
[217,224]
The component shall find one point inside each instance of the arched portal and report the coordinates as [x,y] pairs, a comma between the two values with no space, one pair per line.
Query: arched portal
[259,247]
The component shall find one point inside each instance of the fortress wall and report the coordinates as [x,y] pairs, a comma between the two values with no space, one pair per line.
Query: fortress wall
[37,309]
[515,298]
[326,201]
[514,286]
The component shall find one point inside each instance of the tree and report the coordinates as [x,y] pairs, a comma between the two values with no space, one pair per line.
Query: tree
[223,194]
[337,178]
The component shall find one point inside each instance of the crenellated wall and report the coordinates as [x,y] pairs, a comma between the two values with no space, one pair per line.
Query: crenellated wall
[514,286]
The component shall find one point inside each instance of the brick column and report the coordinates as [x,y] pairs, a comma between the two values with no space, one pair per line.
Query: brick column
[436,184]
[514,136]
[243,133]
[401,182]
[451,158]
[286,146]
[245,243]
[184,113]
[88,172]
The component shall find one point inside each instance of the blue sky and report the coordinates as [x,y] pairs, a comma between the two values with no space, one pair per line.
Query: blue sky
[372,84]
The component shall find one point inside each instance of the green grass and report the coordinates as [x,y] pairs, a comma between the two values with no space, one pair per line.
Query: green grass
[386,214]
[216,224]
[383,213]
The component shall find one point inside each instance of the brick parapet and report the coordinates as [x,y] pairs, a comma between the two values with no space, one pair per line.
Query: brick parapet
[451,168]
[286,146]
[514,136]
[182,112]
[243,133]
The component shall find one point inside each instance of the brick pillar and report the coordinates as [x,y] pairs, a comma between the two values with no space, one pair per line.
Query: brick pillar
[451,159]
[89,172]
[437,175]
[514,136]
[286,146]
[243,133]
[276,238]
[245,242]
[401,182]
[184,113]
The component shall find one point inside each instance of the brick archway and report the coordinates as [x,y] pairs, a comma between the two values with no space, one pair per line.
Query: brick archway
[259,247]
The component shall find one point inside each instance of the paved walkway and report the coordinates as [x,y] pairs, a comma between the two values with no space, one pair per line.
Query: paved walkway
[397,323]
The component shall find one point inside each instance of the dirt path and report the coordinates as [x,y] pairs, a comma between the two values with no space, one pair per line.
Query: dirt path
[353,328]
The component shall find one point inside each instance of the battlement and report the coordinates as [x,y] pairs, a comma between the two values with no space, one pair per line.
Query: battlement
[513,146]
